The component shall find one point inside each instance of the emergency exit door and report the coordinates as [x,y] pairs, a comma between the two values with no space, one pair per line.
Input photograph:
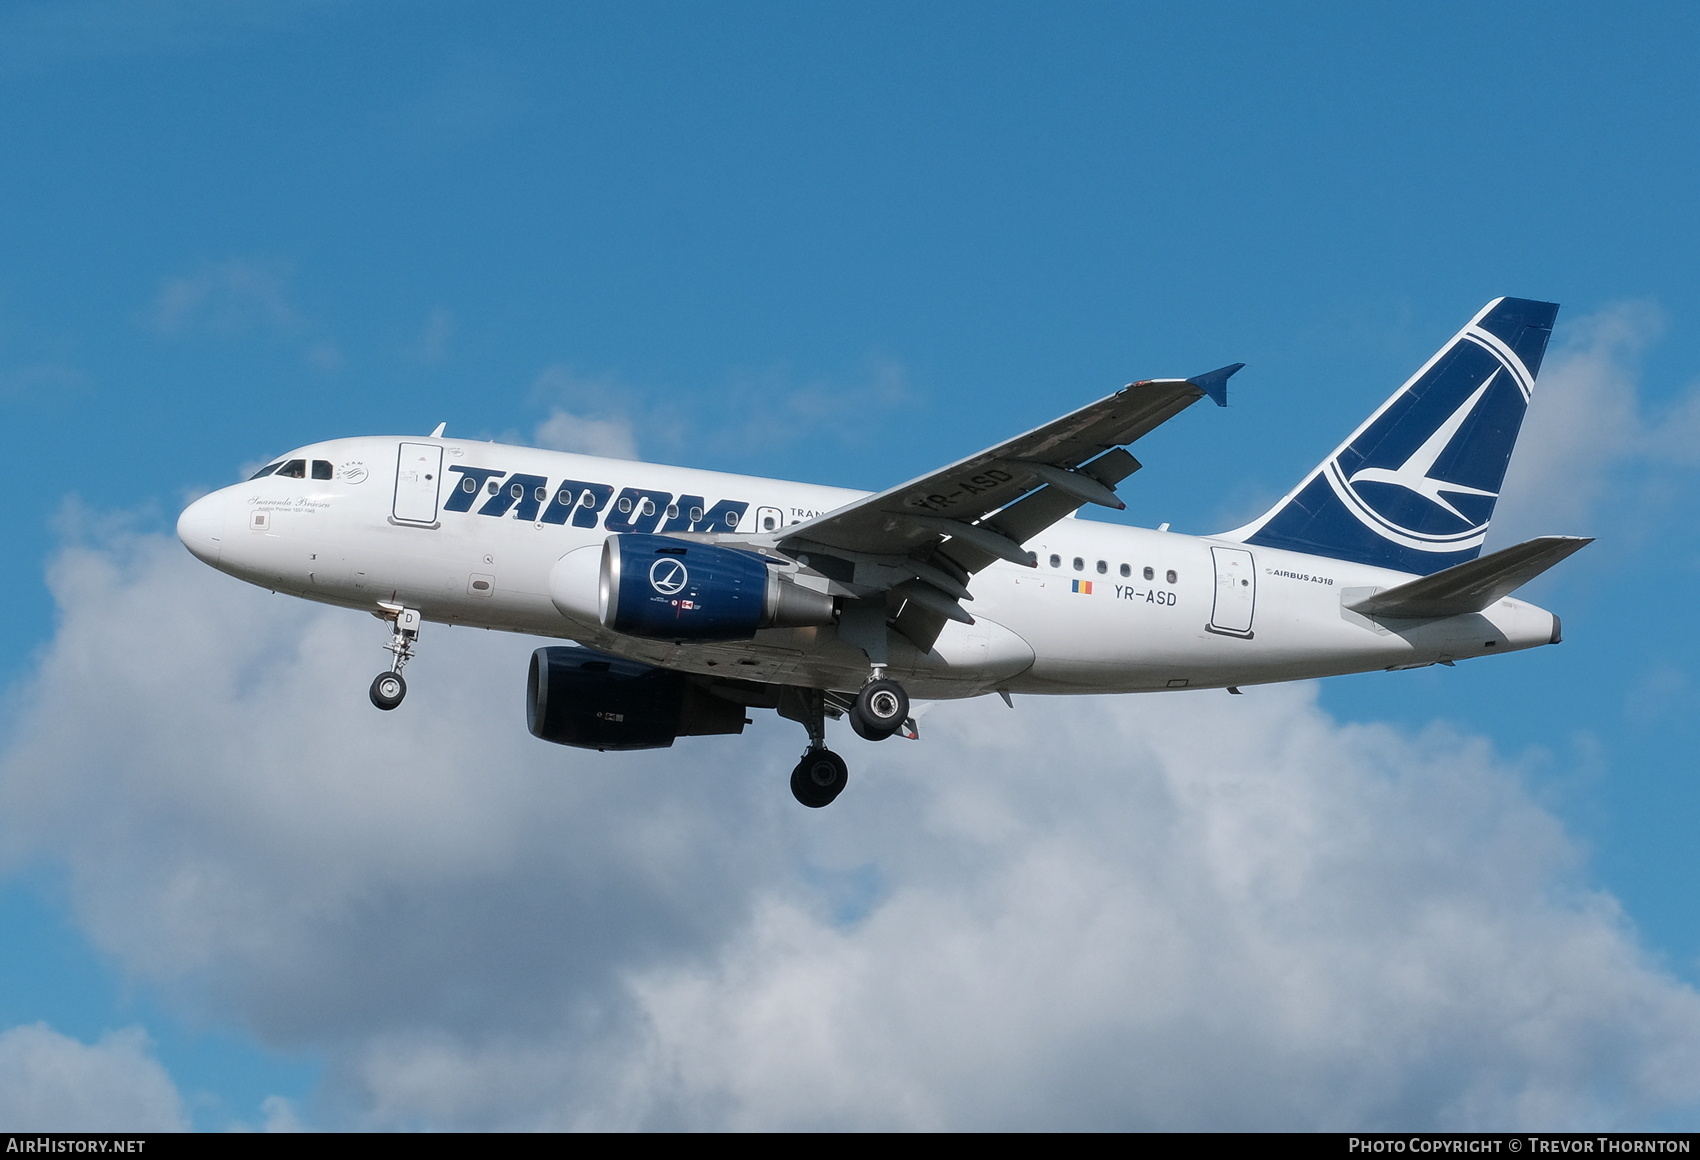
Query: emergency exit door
[1236,592]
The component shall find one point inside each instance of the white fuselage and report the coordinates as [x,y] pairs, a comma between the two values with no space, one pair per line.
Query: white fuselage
[1109,608]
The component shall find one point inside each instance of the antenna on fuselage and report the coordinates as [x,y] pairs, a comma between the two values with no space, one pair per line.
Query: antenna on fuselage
[438,433]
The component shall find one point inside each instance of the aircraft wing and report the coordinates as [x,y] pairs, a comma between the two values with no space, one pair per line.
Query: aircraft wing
[915,546]
[1068,462]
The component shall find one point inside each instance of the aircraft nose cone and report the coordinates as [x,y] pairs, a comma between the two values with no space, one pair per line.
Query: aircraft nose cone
[201,528]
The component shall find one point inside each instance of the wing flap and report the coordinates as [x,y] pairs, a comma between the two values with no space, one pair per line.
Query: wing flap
[1471,586]
[1036,511]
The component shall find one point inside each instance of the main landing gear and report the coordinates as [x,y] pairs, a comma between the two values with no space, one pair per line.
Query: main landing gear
[819,778]
[388,689]
[821,774]
[879,710]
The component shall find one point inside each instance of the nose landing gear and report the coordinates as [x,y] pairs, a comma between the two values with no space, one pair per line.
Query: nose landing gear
[388,688]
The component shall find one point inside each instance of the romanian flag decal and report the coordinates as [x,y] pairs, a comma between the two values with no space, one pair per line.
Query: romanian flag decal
[1083,586]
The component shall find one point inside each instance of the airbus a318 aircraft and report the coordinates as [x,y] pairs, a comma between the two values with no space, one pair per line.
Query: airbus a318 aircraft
[694,596]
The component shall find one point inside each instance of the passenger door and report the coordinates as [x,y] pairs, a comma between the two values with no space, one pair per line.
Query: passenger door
[418,474]
[1236,592]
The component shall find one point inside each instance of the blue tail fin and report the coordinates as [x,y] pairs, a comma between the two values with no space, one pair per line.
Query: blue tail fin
[1414,487]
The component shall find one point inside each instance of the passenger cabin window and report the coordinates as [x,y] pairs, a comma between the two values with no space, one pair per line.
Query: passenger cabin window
[1056,560]
[322,469]
[266,470]
[294,469]
[1126,571]
[1103,567]
[1149,574]
[1079,564]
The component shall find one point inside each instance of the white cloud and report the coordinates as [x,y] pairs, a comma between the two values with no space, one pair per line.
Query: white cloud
[40,381]
[565,431]
[1588,429]
[431,347]
[750,410]
[281,1115]
[226,298]
[1183,911]
[52,1083]
[236,299]
[588,415]
[39,36]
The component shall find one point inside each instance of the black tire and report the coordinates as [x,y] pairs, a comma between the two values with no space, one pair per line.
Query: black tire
[880,709]
[387,690]
[862,729]
[819,778]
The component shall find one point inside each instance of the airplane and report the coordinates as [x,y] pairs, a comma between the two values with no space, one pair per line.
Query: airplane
[691,597]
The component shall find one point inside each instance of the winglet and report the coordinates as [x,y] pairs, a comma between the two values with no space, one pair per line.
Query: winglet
[438,433]
[1215,383]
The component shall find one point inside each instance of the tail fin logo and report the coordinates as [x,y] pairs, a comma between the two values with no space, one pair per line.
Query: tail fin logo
[1430,497]
[1413,488]
[1413,474]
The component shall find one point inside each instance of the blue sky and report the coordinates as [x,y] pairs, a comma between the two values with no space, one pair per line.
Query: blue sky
[841,243]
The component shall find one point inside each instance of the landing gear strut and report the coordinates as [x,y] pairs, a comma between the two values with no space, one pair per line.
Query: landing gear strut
[821,774]
[879,710]
[388,688]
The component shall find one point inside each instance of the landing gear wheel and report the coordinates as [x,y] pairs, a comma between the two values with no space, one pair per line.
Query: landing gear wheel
[880,710]
[387,690]
[819,778]
[862,730]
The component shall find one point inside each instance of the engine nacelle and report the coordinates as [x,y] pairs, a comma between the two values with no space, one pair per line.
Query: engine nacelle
[671,589]
[575,696]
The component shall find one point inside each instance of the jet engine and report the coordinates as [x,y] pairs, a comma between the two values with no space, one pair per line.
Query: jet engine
[666,588]
[575,696]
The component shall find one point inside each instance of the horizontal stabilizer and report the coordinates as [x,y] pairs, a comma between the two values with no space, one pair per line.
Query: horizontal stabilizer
[1472,586]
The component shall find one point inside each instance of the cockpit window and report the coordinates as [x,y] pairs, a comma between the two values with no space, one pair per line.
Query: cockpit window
[294,469]
[267,470]
[321,469]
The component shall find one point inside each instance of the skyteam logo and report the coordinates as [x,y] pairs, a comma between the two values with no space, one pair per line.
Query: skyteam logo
[1424,472]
